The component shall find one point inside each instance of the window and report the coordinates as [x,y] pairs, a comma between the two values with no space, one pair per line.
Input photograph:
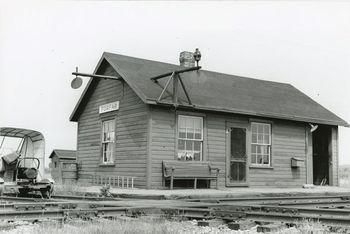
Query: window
[55,164]
[108,133]
[261,144]
[190,138]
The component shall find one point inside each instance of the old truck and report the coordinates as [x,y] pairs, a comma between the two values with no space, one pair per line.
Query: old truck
[22,161]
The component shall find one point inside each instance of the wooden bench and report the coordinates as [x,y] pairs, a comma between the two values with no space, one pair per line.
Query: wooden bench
[189,170]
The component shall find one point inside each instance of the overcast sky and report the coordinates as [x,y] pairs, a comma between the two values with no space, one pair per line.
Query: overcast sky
[302,43]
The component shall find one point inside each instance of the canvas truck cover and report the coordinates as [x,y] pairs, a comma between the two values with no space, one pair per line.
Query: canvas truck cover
[33,145]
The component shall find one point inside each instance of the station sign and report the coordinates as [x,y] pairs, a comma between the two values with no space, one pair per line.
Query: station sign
[109,107]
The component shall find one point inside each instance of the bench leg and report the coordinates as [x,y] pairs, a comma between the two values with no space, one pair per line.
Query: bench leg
[195,183]
[171,182]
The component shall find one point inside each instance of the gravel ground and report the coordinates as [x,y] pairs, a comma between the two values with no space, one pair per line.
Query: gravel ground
[141,226]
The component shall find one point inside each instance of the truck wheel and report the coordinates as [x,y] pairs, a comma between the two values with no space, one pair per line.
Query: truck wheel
[23,192]
[46,192]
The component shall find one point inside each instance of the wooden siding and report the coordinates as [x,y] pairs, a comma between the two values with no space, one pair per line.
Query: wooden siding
[288,140]
[55,171]
[163,141]
[334,157]
[131,132]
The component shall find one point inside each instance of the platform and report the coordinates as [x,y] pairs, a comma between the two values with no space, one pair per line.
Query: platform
[206,193]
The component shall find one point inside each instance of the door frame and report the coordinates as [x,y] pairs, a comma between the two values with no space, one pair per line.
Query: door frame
[230,125]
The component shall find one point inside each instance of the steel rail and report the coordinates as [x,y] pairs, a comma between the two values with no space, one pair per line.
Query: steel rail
[341,213]
[68,213]
[10,196]
[21,199]
[270,209]
[240,199]
[71,197]
[59,214]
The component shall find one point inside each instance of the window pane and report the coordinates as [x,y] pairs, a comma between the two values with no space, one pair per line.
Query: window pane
[110,136]
[189,123]
[182,132]
[104,152]
[254,138]
[109,157]
[197,123]
[190,134]
[197,145]
[254,128]
[197,156]
[189,145]
[266,129]
[254,158]
[260,139]
[260,128]
[181,145]
[266,159]
[198,134]
[181,154]
[189,156]
[182,122]
[254,149]
[264,149]
[258,150]
[266,139]
[259,159]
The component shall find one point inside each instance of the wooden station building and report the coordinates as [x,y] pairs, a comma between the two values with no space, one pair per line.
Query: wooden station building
[148,114]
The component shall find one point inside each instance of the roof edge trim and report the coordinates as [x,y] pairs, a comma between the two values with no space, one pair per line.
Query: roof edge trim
[261,114]
[73,117]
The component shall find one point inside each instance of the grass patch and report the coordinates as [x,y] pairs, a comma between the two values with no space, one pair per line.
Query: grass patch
[105,226]
[149,225]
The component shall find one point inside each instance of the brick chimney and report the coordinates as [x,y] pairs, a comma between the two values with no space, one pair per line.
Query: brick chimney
[187,59]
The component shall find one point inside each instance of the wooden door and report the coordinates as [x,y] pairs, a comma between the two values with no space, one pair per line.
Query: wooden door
[236,157]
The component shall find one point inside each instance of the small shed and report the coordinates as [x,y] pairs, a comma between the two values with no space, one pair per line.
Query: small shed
[63,166]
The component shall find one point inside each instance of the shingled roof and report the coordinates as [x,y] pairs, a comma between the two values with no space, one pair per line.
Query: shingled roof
[217,92]
[64,154]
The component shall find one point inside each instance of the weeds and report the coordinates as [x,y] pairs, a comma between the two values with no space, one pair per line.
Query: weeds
[104,226]
[105,191]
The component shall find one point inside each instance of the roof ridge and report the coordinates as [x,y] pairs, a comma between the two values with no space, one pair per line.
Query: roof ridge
[149,60]
[204,70]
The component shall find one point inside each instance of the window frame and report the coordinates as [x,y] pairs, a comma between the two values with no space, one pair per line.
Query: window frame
[269,145]
[201,140]
[112,142]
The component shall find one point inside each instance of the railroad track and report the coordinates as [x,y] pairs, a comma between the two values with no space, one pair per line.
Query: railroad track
[331,210]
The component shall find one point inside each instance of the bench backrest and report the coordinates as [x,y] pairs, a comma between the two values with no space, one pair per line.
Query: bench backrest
[188,168]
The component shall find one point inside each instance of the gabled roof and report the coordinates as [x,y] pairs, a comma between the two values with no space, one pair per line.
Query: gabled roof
[64,154]
[217,92]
